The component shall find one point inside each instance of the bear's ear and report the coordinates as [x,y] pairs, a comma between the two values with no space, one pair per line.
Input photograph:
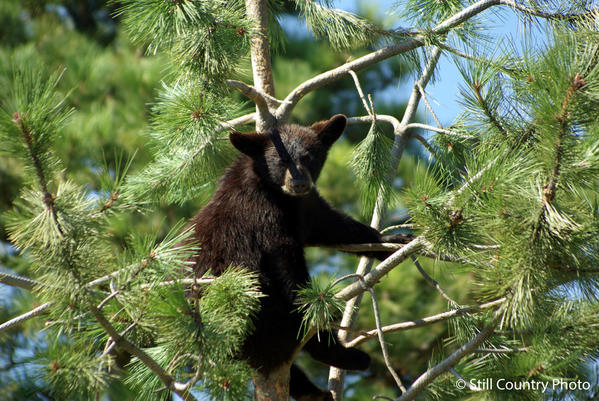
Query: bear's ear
[330,130]
[249,144]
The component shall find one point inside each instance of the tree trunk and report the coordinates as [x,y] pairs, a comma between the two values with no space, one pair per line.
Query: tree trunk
[274,386]
[257,10]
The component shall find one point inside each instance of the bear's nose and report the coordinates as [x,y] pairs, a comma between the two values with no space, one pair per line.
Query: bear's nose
[301,185]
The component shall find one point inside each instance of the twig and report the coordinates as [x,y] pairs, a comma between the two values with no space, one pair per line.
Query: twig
[542,14]
[361,93]
[427,145]
[499,350]
[110,344]
[475,177]
[379,117]
[251,92]
[427,377]
[425,321]
[397,227]
[481,60]
[48,198]
[435,129]
[428,106]
[25,316]
[246,119]
[466,382]
[434,283]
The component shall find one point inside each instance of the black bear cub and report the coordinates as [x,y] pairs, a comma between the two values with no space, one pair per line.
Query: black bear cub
[264,212]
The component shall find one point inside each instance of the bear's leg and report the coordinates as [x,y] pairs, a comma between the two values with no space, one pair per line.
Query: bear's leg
[330,352]
[302,389]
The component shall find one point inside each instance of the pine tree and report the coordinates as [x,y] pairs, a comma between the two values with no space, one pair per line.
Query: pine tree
[510,197]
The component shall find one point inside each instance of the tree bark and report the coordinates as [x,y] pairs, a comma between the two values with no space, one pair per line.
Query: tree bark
[257,10]
[274,386]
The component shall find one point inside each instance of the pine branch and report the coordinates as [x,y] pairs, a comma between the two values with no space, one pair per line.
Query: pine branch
[499,350]
[487,110]
[550,188]
[48,198]
[426,145]
[178,388]
[425,321]
[284,111]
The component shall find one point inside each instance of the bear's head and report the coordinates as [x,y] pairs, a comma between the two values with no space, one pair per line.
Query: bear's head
[291,157]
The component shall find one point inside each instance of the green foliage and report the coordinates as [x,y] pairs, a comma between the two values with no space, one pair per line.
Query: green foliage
[342,29]
[187,135]
[31,114]
[206,38]
[318,305]
[371,163]
[511,195]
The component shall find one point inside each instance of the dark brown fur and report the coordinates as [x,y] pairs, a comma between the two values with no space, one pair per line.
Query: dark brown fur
[263,214]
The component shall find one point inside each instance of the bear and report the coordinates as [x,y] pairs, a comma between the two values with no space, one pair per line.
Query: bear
[263,213]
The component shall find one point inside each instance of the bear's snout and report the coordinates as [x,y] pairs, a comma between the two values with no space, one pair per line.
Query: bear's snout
[298,181]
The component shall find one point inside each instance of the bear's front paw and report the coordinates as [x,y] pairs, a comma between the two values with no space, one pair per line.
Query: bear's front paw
[397,238]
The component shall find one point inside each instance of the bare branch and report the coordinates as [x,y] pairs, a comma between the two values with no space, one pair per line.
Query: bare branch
[379,117]
[258,97]
[427,377]
[425,321]
[397,227]
[25,316]
[434,283]
[18,281]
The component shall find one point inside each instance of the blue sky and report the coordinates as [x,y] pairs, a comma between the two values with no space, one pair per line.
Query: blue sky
[443,94]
